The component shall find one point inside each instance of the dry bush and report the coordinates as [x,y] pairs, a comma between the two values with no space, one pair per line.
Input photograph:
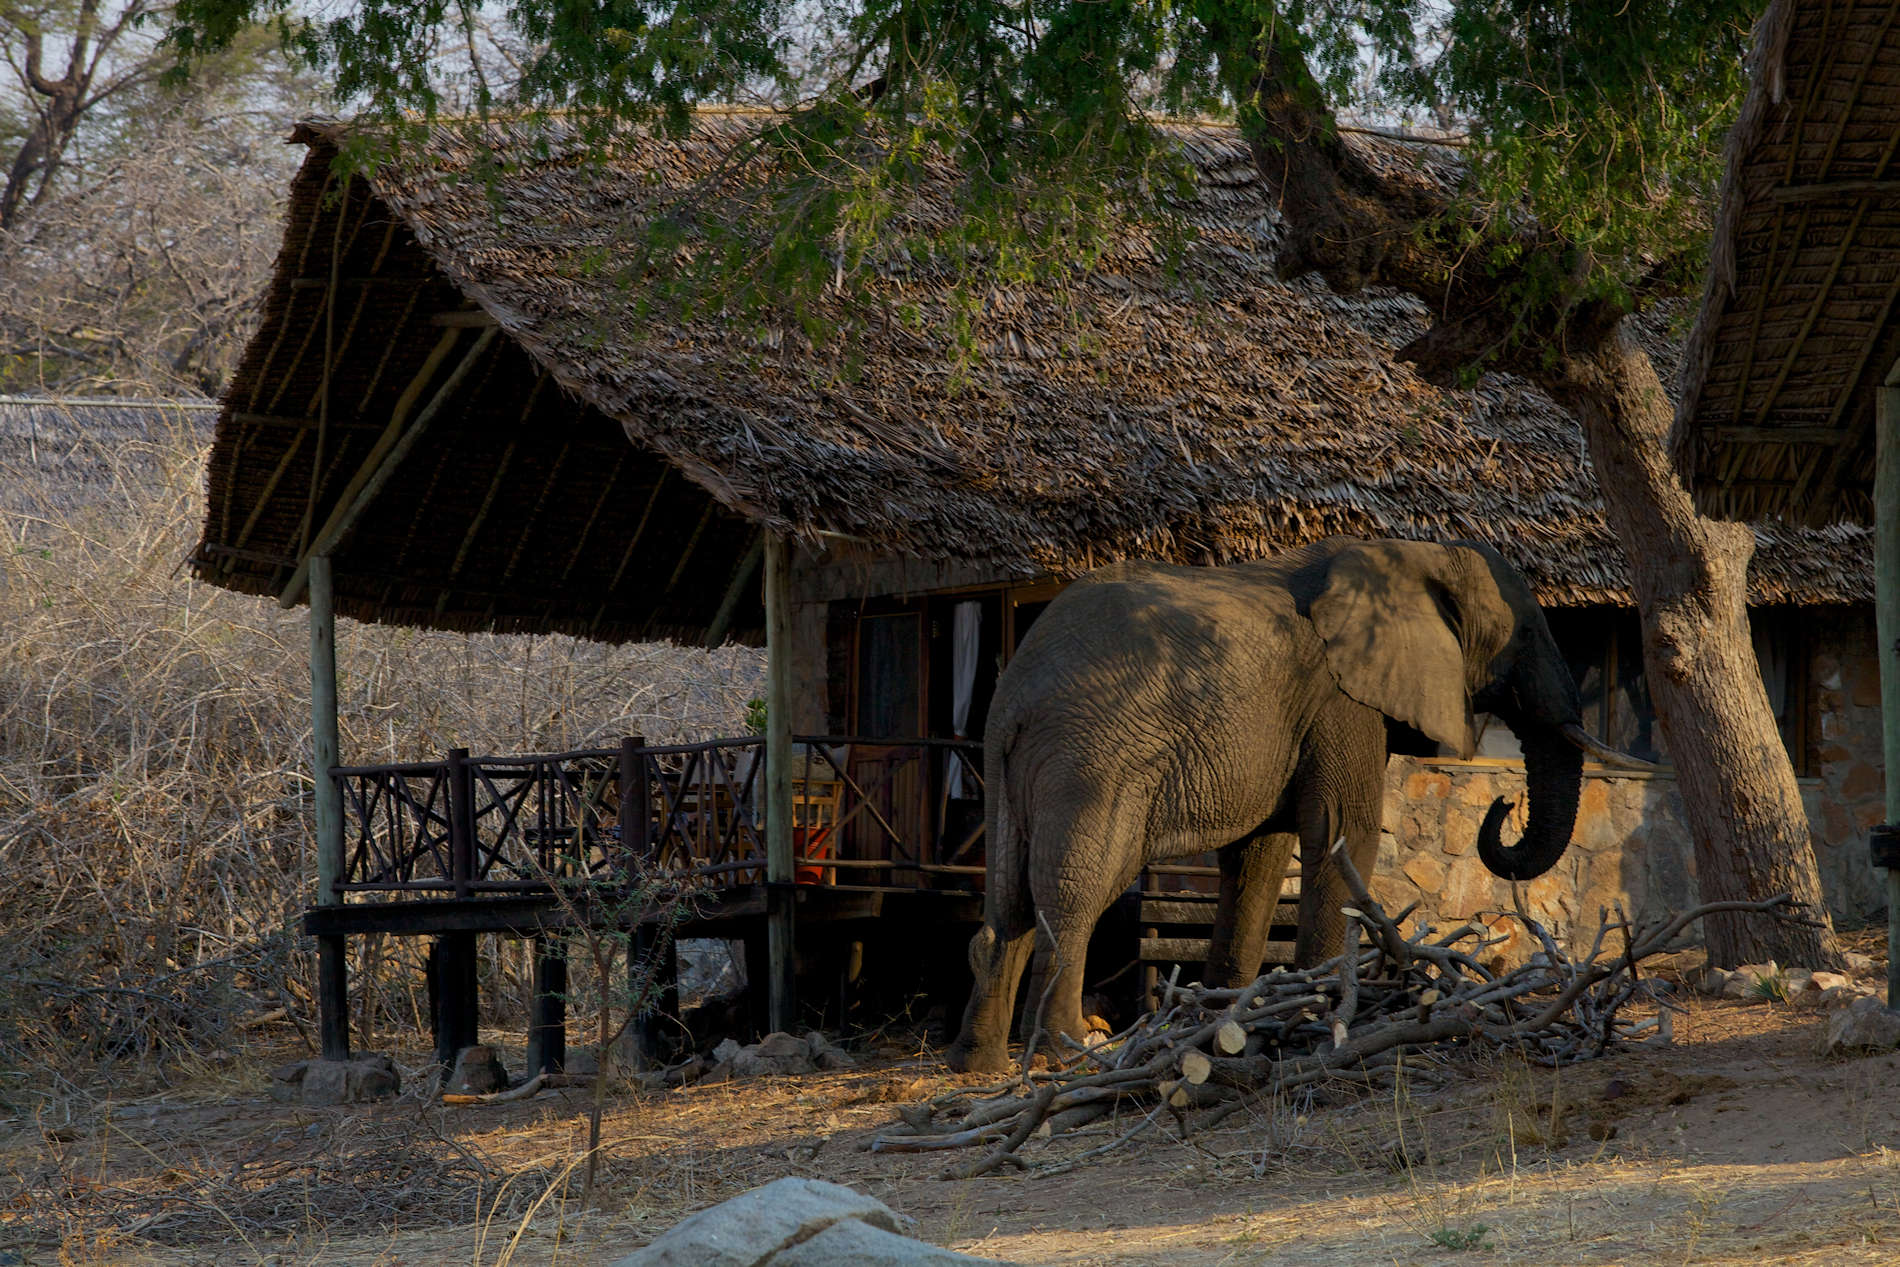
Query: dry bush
[155,828]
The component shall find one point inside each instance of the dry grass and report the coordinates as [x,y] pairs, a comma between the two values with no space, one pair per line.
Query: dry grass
[154,794]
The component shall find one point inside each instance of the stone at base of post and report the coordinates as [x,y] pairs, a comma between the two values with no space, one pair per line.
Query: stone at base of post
[547,1022]
[454,997]
[333,997]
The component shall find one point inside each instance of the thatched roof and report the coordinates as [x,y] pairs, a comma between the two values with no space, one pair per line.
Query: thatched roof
[1797,325]
[60,454]
[1202,412]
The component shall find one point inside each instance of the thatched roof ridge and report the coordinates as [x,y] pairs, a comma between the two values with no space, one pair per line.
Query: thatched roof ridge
[1796,326]
[58,454]
[1205,411]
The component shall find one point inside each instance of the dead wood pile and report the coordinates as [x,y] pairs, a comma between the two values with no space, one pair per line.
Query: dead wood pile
[1206,1053]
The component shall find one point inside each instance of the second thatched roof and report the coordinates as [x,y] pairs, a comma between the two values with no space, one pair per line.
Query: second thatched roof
[1797,327]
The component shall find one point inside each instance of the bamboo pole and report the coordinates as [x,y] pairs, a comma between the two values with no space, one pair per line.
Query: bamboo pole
[332,968]
[778,779]
[1887,624]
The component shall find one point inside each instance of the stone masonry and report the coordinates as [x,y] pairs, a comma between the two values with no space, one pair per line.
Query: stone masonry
[1630,844]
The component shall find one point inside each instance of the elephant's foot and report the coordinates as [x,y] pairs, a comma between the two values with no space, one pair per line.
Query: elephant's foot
[965,1057]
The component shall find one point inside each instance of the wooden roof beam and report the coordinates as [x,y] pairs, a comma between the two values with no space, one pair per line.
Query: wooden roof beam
[388,452]
[1830,190]
[748,566]
[1778,435]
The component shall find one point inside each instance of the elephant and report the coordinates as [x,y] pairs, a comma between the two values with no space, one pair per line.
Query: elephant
[1156,711]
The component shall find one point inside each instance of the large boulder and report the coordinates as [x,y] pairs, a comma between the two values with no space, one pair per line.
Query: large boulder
[1865,1025]
[321,1083]
[855,1244]
[784,1223]
[478,1071]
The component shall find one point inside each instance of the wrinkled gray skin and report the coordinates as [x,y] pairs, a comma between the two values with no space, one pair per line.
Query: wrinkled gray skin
[1156,711]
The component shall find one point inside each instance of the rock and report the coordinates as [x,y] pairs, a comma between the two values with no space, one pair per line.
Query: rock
[1838,996]
[1858,963]
[855,1244]
[478,1071]
[1866,1025]
[782,1047]
[726,1050]
[286,1082]
[774,1054]
[1739,985]
[835,1058]
[320,1083]
[1704,979]
[754,1226]
[721,1072]
[1825,981]
[815,1043]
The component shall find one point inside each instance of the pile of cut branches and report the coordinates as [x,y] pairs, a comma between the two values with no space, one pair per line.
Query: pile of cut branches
[1205,1053]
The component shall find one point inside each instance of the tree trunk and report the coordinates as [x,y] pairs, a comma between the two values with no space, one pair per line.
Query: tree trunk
[1690,576]
[1358,225]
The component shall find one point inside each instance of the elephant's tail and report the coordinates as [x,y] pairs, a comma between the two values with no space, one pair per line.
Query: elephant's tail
[1006,881]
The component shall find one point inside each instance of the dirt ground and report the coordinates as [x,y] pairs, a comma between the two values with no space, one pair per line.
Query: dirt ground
[1736,1144]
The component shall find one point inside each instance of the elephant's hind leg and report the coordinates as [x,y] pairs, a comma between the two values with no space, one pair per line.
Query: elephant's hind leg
[997,960]
[1251,874]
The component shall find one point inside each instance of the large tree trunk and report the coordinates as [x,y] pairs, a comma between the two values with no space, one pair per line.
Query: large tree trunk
[1357,225]
[1690,576]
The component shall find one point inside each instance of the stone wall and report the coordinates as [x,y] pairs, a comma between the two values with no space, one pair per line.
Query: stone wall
[1844,721]
[1630,847]
[1630,844]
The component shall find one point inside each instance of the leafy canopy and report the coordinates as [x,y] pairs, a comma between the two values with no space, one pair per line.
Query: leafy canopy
[1603,119]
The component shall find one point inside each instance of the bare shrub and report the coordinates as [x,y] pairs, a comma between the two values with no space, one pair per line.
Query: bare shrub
[155,826]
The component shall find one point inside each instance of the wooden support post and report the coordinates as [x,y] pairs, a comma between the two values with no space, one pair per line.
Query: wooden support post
[636,804]
[649,1025]
[1887,624]
[778,780]
[461,822]
[547,1021]
[333,983]
[454,997]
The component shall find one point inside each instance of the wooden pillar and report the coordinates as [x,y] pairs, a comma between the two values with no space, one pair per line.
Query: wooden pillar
[780,895]
[1887,624]
[333,983]
[662,995]
[547,1020]
[453,995]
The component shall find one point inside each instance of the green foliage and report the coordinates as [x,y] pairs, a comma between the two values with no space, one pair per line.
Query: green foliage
[1605,120]
[1601,119]
[1459,1239]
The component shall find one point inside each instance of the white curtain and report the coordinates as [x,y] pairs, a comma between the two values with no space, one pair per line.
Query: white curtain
[966,633]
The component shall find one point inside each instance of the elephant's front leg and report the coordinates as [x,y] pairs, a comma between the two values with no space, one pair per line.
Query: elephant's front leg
[1069,900]
[1252,872]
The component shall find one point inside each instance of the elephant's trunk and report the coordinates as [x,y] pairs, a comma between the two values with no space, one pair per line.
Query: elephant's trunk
[1553,775]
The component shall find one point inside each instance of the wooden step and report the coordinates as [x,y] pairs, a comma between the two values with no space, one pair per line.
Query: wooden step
[1177,911]
[1193,950]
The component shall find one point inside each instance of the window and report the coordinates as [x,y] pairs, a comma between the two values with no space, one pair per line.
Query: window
[1604,648]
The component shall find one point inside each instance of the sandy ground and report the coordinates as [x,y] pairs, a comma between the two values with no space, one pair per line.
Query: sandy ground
[1737,1144]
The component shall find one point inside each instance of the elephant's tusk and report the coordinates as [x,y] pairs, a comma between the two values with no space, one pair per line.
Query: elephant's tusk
[1594,747]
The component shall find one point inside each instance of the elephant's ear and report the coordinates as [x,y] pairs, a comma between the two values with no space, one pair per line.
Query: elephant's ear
[1390,641]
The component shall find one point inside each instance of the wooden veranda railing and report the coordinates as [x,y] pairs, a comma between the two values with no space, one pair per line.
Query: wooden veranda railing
[864,812]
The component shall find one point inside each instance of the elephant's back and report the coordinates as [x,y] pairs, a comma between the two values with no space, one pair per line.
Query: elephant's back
[1148,648]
